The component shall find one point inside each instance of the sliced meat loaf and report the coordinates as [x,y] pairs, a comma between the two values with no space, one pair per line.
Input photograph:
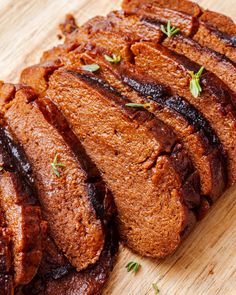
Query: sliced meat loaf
[200,143]
[56,276]
[216,102]
[193,130]
[6,279]
[137,154]
[18,201]
[69,185]
[205,32]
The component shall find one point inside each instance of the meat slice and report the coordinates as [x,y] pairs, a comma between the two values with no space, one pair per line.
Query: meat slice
[127,145]
[217,63]
[216,102]
[183,6]
[155,11]
[56,276]
[6,279]
[209,36]
[20,209]
[220,21]
[69,185]
[207,33]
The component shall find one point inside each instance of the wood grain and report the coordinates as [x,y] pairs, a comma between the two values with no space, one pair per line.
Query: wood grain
[205,264]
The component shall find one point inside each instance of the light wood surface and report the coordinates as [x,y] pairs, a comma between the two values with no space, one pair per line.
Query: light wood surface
[205,264]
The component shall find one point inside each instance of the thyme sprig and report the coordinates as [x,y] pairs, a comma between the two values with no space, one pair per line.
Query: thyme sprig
[156,289]
[168,30]
[113,59]
[138,105]
[133,266]
[55,165]
[195,86]
[90,68]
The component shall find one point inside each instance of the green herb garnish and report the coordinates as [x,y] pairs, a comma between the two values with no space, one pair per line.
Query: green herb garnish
[138,105]
[55,165]
[90,68]
[195,87]
[1,168]
[113,59]
[168,30]
[133,266]
[155,287]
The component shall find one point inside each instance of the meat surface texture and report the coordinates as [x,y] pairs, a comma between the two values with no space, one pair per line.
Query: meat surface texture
[24,228]
[216,102]
[76,192]
[123,141]
[66,195]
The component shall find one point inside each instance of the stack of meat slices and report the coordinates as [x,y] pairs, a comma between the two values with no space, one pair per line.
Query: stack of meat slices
[112,113]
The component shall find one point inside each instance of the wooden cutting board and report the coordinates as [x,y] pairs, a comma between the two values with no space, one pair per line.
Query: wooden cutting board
[205,264]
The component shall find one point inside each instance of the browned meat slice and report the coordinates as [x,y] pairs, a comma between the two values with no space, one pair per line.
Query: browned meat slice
[56,276]
[220,21]
[21,212]
[186,22]
[207,33]
[183,6]
[129,145]
[218,64]
[70,189]
[190,126]
[216,102]
[6,279]
[211,37]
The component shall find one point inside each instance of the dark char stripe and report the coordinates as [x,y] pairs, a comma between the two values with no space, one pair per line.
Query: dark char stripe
[15,160]
[156,93]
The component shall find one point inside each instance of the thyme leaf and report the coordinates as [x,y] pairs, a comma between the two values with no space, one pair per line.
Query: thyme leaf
[195,86]
[55,165]
[133,266]
[168,30]
[113,59]
[156,289]
[90,68]
[138,105]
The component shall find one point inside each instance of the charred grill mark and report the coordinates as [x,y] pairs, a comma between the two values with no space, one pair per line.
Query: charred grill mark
[157,92]
[15,160]
[151,21]
[96,187]
[230,41]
